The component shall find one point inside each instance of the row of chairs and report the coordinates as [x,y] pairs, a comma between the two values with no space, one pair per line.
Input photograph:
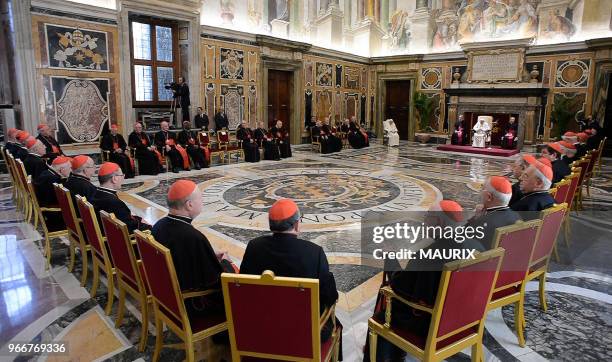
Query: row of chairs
[468,290]
[138,266]
[315,142]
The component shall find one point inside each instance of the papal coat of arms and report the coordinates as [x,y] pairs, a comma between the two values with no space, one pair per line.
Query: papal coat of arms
[232,64]
[76,48]
[324,74]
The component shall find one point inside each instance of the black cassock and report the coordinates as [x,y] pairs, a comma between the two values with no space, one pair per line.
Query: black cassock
[560,170]
[79,185]
[533,201]
[45,194]
[288,256]
[355,137]
[249,144]
[195,261]
[52,147]
[493,218]
[111,143]
[281,138]
[34,165]
[107,200]
[201,121]
[176,160]
[271,151]
[20,152]
[459,136]
[517,194]
[148,161]
[221,121]
[188,139]
[333,143]
[508,140]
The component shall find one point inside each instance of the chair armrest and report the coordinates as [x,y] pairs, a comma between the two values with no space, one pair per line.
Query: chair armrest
[51,209]
[390,295]
[199,293]
[327,313]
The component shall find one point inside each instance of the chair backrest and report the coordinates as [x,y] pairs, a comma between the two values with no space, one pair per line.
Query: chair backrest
[552,219]
[582,165]
[594,155]
[92,229]
[223,136]
[518,241]
[204,138]
[161,277]
[562,188]
[573,179]
[22,175]
[290,304]
[64,200]
[455,309]
[122,252]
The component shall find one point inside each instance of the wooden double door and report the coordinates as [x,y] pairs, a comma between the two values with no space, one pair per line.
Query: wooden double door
[397,105]
[279,97]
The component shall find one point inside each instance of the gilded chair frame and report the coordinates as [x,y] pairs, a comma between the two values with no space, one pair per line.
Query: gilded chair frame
[49,235]
[185,333]
[267,278]
[580,167]
[539,267]
[315,143]
[98,261]
[26,198]
[229,148]
[517,298]
[218,152]
[430,352]
[140,293]
[75,238]
[597,168]
[9,168]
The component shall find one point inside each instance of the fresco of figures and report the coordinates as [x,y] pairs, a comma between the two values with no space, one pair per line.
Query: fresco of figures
[451,22]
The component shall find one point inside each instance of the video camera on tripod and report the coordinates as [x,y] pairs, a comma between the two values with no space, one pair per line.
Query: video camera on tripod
[174,87]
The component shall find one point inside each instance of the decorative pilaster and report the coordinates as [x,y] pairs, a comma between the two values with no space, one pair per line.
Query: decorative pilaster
[422,28]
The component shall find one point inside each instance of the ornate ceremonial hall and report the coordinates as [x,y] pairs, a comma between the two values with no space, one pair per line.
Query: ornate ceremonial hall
[197,179]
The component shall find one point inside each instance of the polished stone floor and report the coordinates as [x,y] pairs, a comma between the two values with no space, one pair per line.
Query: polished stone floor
[333,192]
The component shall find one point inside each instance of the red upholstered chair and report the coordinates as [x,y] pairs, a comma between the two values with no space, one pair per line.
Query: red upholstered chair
[518,241]
[457,317]
[73,224]
[99,255]
[169,301]
[277,318]
[562,190]
[594,158]
[580,167]
[129,270]
[49,235]
[551,218]
[205,141]
[569,200]
[228,148]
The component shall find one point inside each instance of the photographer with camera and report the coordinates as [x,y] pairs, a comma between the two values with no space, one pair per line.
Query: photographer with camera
[180,93]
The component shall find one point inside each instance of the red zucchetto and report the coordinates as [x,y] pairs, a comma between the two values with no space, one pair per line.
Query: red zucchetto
[181,189]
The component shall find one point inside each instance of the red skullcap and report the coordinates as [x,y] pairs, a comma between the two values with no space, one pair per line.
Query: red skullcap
[41,126]
[556,146]
[79,161]
[61,160]
[569,134]
[114,127]
[582,136]
[500,184]
[568,145]
[108,168]
[181,189]
[282,210]
[452,209]
[30,142]
[545,161]
[22,135]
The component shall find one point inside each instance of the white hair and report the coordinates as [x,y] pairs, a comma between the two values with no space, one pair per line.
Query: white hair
[504,199]
[545,181]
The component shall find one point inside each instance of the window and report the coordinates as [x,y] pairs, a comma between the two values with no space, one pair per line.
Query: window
[154,61]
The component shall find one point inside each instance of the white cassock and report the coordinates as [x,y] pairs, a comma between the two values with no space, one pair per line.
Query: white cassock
[481,131]
[391,132]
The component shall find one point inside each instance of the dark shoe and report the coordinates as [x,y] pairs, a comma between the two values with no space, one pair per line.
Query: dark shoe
[176,170]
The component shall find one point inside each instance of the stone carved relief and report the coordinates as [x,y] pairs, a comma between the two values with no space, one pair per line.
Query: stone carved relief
[231,64]
[324,74]
[81,108]
[232,98]
[75,48]
[252,66]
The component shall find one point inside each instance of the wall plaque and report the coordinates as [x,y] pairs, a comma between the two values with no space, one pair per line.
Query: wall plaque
[494,66]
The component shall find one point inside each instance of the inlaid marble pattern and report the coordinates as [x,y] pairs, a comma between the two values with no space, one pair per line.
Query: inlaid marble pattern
[575,327]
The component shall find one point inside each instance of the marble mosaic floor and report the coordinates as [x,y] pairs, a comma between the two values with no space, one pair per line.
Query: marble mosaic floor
[333,191]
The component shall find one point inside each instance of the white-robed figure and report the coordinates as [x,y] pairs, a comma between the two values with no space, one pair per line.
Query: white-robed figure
[391,132]
[481,131]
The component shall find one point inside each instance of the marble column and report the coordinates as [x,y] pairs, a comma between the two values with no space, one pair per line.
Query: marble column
[25,66]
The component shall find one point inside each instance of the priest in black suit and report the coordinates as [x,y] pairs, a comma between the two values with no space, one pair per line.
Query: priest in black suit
[149,158]
[188,139]
[114,143]
[553,152]
[281,138]
[165,141]
[535,183]
[79,181]
[271,151]
[52,147]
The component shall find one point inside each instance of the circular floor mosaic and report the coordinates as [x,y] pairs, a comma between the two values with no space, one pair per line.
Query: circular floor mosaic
[326,197]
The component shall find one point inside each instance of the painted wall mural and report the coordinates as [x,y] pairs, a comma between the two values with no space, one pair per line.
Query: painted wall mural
[411,26]
[76,48]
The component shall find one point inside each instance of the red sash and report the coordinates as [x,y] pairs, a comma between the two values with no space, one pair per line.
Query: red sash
[55,149]
[115,145]
[184,155]
[159,157]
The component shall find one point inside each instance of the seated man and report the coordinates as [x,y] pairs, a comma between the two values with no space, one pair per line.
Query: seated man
[493,212]
[535,183]
[11,144]
[34,163]
[418,283]
[318,134]
[52,147]
[201,120]
[356,138]
[21,151]
[281,139]
[459,136]
[509,139]
[334,144]
[45,193]
[165,141]
[593,141]
[198,266]
[553,152]
[149,159]
[271,151]
[391,132]
[249,144]
[114,143]
[581,144]
[480,133]
[569,153]
[79,181]
[288,256]
[187,139]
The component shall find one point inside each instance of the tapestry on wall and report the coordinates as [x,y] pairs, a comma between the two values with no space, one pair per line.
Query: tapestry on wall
[80,108]
[76,48]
